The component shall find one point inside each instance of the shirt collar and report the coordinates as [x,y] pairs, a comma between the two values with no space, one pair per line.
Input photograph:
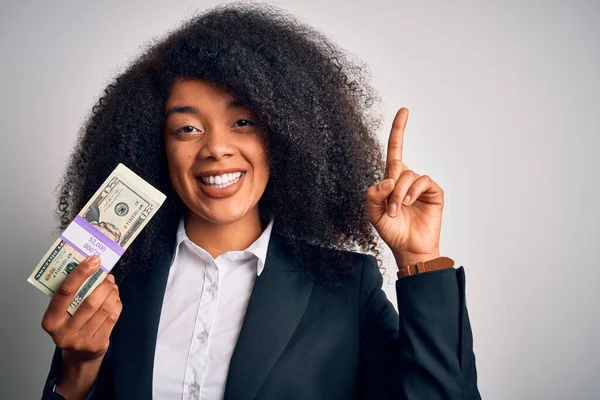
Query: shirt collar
[258,247]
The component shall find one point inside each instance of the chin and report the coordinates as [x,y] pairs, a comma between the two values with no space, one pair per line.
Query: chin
[222,217]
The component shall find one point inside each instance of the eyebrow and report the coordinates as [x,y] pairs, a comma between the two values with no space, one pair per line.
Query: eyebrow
[193,110]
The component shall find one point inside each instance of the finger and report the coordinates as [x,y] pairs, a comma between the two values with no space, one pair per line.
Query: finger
[97,319]
[396,140]
[103,333]
[394,169]
[91,304]
[418,187]
[425,189]
[405,181]
[377,196]
[57,308]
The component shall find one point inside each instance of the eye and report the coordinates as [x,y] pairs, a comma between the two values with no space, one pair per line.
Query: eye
[244,122]
[186,129]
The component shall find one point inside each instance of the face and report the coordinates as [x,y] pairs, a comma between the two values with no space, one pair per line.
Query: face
[215,150]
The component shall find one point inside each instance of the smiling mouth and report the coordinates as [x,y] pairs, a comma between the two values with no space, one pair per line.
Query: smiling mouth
[204,181]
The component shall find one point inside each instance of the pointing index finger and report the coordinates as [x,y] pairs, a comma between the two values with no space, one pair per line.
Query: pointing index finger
[396,140]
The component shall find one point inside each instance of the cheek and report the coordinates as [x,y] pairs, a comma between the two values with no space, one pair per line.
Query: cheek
[264,168]
[179,158]
[260,159]
[180,161]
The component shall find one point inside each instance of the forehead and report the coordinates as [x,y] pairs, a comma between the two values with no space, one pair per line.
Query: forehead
[198,92]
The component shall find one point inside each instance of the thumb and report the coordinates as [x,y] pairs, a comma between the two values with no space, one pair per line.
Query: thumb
[377,196]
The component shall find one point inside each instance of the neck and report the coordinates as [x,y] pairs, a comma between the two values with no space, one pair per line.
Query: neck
[217,239]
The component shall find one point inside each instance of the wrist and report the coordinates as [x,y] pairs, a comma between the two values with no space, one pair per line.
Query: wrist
[77,377]
[407,258]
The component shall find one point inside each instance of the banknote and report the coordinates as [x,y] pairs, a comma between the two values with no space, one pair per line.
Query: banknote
[106,226]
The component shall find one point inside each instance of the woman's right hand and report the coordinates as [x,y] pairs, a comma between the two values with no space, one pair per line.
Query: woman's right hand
[85,336]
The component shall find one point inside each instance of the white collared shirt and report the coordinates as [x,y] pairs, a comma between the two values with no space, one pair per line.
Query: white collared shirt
[202,313]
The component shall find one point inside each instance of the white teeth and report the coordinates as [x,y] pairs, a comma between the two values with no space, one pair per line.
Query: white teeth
[221,181]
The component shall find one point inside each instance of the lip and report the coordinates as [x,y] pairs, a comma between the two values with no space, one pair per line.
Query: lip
[217,193]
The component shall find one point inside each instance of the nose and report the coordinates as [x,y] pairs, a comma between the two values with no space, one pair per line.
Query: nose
[218,144]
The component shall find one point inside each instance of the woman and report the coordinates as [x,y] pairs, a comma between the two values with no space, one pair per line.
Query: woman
[250,281]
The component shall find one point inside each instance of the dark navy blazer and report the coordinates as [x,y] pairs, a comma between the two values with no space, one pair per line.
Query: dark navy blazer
[302,341]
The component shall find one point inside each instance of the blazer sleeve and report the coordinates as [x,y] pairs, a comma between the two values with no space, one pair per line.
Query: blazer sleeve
[48,392]
[56,365]
[425,351]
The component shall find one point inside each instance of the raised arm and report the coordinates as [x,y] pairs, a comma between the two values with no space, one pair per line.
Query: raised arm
[432,348]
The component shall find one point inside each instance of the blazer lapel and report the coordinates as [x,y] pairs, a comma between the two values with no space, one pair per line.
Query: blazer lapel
[134,336]
[276,305]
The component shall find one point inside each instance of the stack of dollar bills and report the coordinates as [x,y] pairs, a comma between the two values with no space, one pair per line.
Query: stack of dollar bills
[106,226]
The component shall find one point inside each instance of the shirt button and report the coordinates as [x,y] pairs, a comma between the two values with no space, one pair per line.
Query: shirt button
[193,388]
[202,336]
[212,288]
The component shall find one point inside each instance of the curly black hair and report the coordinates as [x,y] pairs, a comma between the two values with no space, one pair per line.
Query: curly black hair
[312,97]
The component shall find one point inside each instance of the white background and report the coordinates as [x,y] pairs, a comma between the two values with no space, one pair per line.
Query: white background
[504,115]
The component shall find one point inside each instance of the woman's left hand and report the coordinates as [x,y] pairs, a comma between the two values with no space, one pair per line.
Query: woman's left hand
[413,231]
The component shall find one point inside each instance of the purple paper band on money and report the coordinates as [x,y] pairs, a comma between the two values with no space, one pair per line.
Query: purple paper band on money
[108,242]
[83,253]
[89,240]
